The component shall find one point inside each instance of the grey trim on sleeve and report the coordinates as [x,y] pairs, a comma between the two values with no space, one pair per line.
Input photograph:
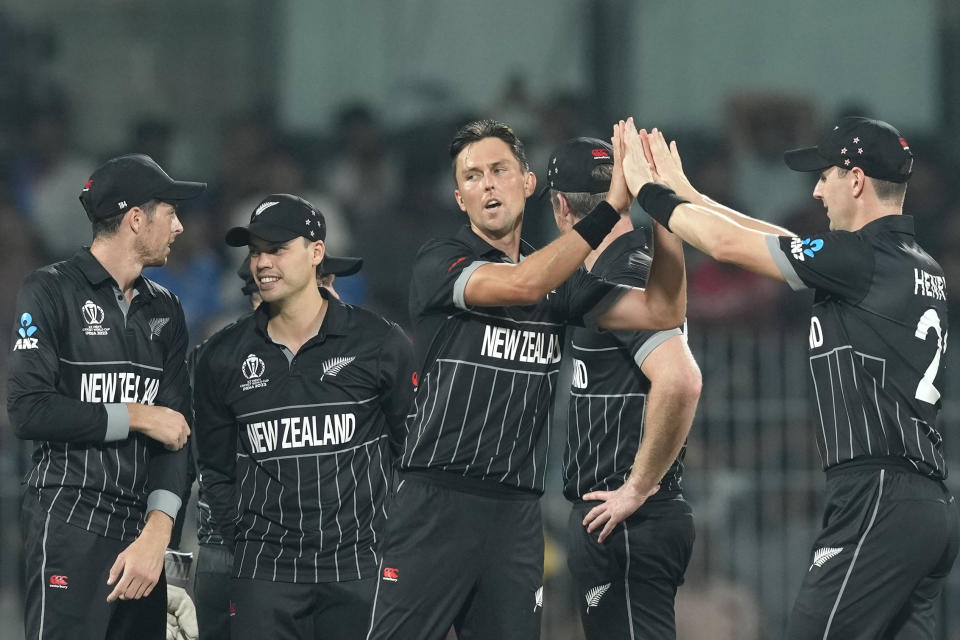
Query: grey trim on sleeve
[118,422]
[163,500]
[652,343]
[786,269]
[460,286]
[607,301]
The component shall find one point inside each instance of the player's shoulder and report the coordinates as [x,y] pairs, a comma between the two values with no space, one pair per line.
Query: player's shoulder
[164,295]
[226,340]
[57,274]
[371,323]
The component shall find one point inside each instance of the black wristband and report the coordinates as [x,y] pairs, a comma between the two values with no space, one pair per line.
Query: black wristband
[595,226]
[659,202]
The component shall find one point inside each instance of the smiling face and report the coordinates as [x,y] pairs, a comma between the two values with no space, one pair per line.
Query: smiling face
[492,187]
[156,235]
[284,269]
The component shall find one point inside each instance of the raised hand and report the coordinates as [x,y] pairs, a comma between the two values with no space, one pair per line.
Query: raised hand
[666,159]
[618,196]
[638,167]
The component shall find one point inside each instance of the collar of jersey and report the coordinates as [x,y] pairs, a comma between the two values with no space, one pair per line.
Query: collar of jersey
[895,223]
[94,272]
[334,322]
[482,248]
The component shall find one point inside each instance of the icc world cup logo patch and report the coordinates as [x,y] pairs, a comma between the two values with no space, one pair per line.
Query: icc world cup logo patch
[93,315]
[253,369]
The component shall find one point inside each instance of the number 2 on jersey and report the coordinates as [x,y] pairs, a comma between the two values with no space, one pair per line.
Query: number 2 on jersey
[925,390]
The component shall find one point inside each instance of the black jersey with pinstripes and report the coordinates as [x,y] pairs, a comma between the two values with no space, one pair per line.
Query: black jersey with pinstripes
[608,391]
[878,337]
[487,374]
[295,451]
[75,352]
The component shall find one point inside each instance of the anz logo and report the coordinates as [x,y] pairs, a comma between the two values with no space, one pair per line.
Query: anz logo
[26,331]
[806,247]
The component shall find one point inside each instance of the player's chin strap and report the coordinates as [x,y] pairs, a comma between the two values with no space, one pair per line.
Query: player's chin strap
[181,613]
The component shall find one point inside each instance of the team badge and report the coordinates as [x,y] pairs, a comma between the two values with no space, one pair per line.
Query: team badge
[93,315]
[807,247]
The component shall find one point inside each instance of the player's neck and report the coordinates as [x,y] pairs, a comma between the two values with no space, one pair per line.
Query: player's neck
[119,260]
[624,225]
[296,319]
[509,243]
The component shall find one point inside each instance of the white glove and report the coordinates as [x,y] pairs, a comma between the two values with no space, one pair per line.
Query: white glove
[181,615]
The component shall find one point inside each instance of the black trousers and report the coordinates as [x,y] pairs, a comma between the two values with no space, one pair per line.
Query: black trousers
[211,589]
[65,594]
[453,558]
[628,583]
[877,569]
[261,609]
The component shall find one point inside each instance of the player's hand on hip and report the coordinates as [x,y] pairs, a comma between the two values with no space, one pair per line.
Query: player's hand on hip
[166,426]
[614,508]
[136,570]
[638,166]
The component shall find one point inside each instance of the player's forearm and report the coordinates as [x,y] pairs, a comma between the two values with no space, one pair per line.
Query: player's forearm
[740,218]
[667,422]
[167,473]
[55,418]
[157,530]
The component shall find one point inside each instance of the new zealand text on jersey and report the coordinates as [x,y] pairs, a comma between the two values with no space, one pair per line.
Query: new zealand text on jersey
[118,387]
[297,433]
[520,345]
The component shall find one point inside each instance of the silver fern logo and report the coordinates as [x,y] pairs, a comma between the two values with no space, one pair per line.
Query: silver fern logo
[538,599]
[156,326]
[333,366]
[822,556]
[593,595]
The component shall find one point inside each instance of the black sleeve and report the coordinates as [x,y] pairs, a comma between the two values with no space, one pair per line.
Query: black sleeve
[216,433]
[633,269]
[177,534]
[582,297]
[396,377]
[837,262]
[37,410]
[167,470]
[440,275]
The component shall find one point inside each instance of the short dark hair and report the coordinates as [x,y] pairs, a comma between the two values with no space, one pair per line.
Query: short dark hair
[582,203]
[480,129]
[884,189]
[109,226]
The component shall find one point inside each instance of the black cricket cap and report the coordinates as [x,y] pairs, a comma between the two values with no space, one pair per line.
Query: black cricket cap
[340,267]
[873,145]
[278,218]
[129,181]
[572,164]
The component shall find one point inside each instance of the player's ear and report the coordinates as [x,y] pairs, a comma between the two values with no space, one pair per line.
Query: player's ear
[529,183]
[456,195]
[319,250]
[857,181]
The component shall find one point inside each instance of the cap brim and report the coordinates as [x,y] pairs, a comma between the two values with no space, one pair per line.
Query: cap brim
[181,190]
[806,159]
[340,266]
[240,236]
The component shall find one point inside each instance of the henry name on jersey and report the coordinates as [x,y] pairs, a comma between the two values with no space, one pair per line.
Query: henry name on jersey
[521,345]
[927,284]
[298,432]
